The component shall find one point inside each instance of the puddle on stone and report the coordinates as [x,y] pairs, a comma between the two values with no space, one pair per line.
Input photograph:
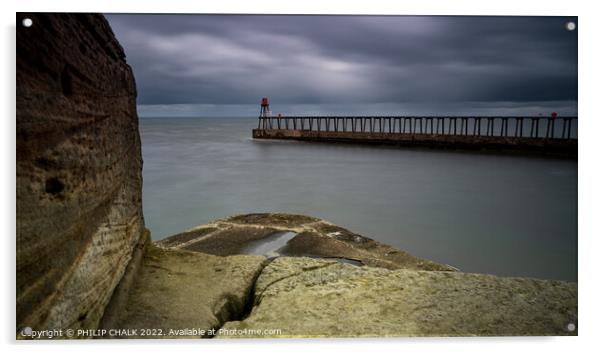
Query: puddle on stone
[269,245]
[348,261]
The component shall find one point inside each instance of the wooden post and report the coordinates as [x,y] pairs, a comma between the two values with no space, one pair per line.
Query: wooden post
[563,127]
[490,125]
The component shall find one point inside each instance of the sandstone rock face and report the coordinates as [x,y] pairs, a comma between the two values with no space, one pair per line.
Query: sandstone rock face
[304,297]
[175,290]
[78,169]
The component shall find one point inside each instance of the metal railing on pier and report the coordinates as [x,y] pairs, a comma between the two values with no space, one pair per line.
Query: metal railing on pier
[500,126]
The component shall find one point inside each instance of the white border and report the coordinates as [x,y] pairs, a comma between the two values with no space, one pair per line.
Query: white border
[590,130]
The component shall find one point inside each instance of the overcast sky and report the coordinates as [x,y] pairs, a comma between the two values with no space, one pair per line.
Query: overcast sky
[221,65]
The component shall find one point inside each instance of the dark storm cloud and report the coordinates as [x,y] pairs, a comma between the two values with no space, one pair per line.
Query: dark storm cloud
[209,59]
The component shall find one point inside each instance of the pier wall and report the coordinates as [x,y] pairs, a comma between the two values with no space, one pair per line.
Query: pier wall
[505,144]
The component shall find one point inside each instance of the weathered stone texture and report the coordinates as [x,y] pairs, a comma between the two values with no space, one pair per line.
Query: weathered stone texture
[315,238]
[79,168]
[306,297]
[178,290]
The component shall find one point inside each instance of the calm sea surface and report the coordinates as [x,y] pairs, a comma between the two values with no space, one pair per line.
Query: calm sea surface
[504,215]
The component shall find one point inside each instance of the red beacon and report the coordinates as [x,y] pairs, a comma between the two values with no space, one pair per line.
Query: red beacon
[265,108]
[554,115]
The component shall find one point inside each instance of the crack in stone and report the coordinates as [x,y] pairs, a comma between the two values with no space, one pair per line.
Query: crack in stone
[247,306]
[251,302]
[312,268]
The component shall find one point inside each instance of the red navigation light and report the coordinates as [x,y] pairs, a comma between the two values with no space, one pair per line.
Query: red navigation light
[554,115]
[264,112]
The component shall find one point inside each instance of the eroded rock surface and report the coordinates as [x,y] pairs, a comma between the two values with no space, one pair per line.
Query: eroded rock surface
[306,297]
[179,290]
[397,294]
[79,167]
[315,238]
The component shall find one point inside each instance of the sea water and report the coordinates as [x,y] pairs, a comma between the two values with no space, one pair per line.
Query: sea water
[498,214]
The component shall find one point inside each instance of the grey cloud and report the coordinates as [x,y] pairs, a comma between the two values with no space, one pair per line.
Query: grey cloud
[229,59]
